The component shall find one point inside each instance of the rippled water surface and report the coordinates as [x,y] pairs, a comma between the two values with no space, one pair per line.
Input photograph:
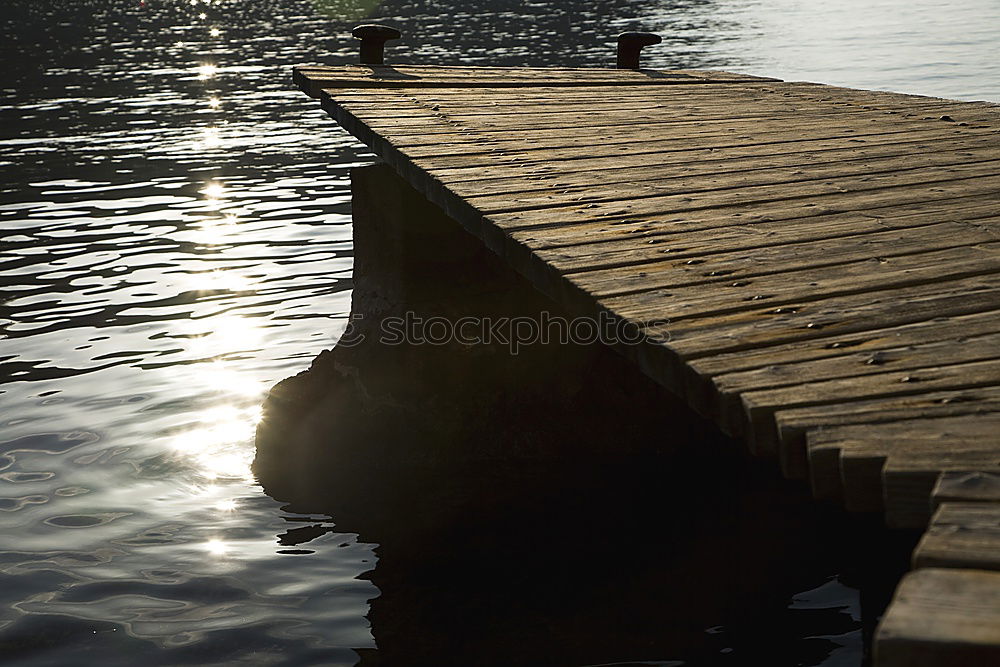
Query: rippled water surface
[176,238]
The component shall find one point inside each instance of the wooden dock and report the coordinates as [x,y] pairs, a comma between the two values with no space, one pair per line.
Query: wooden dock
[816,269]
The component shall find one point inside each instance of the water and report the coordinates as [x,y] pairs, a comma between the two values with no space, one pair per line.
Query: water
[176,238]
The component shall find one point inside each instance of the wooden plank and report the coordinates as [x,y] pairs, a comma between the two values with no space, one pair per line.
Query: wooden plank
[762,266]
[942,617]
[534,192]
[683,194]
[962,535]
[861,353]
[849,96]
[487,101]
[444,133]
[961,347]
[438,136]
[538,154]
[806,427]
[712,382]
[544,92]
[631,249]
[759,203]
[656,166]
[683,341]
[486,104]
[976,486]
[736,332]
[313,79]
[664,360]
[841,95]
[688,162]
[760,406]
[689,235]
[490,105]
[490,102]
[415,120]
[788,293]
[654,149]
[893,466]
[909,476]
[395,71]
[561,111]
[570,241]
[705,369]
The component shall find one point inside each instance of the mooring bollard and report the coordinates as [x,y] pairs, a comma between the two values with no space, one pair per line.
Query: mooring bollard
[373,38]
[629,46]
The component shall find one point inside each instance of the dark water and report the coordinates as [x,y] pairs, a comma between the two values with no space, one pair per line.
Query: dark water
[176,238]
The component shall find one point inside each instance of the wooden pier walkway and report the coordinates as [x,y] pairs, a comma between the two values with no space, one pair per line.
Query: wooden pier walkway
[817,270]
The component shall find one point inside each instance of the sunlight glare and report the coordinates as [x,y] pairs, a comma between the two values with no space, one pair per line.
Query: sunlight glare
[211,231]
[219,279]
[228,465]
[220,447]
[227,333]
[232,382]
[216,547]
[213,190]
[207,71]
[228,505]
[210,137]
[256,412]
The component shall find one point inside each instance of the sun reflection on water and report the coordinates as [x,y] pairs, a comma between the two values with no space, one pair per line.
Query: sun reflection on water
[213,190]
[218,335]
[216,442]
[228,505]
[210,137]
[219,280]
[161,332]
[207,71]
[217,445]
[216,547]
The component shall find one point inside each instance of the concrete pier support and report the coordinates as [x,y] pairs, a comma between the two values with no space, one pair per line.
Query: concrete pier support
[446,365]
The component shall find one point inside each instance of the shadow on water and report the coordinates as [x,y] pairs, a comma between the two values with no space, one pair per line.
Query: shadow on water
[698,556]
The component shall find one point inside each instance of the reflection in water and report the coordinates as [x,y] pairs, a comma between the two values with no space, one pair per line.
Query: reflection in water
[206,71]
[229,505]
[216,547]
[688,560]
[176,239]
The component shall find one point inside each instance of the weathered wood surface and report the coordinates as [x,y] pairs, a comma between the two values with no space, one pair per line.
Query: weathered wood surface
[815,268]
[314,79]
[978,486]
[962,534]
[942,617]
